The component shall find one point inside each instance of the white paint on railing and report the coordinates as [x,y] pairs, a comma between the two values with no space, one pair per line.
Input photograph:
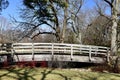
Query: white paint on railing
[52,49]
[90,50]
[32,51]
[71,51]
[57,48]
[63,50]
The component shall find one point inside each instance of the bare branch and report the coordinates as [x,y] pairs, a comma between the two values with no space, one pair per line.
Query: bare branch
[110,3]
[42,33]
[101,10]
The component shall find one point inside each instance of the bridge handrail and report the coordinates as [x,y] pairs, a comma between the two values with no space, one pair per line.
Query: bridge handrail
[57,47]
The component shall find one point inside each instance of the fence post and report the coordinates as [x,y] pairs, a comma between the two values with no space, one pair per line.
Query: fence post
[71,51]
[90,53]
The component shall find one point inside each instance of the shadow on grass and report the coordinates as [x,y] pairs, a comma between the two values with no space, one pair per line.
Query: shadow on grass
[29,74]
[45,74]
[18,74]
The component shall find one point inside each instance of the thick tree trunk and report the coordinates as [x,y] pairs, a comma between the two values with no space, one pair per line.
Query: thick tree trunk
[114,29]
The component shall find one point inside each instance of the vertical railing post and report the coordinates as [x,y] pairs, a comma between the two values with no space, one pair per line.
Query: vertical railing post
[80,49]
[90,51]
[108,54]
[71,51]
[12,52]
[32,51]
[96,51]
[52,51]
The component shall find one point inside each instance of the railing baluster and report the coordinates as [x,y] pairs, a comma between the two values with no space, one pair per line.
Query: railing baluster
[96,51]
[71,51]
[90,49]
[12,50]
[32,51]
[108,55]
[52,51]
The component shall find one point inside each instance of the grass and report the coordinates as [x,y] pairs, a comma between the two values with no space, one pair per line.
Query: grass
[54,74]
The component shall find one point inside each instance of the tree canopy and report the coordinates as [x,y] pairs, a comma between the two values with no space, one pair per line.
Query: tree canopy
[44,12]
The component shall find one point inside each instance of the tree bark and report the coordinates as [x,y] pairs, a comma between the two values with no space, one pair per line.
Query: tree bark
[64,23]
[114,28]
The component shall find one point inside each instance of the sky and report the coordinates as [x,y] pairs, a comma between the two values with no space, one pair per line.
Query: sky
[14,5]
[12,9]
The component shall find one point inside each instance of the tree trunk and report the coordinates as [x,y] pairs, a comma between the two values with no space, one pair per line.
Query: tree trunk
[79,38]
[64,23]
[114,29]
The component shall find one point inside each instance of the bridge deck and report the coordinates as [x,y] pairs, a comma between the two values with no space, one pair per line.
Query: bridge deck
[54,52]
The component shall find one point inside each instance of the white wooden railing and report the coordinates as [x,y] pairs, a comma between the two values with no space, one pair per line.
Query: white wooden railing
[55,49]
[58,48]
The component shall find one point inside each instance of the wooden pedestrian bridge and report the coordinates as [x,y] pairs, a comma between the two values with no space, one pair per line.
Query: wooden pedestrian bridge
[17,52]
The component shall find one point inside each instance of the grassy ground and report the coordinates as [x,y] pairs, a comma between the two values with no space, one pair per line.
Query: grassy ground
[54,74]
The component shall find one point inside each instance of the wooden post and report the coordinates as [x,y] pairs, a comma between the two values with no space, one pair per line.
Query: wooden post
[12,51]
[32,51]
[108,55]
[96,51]
[71,51]
[80,49]
[90,53]
[52,51]
[33,62]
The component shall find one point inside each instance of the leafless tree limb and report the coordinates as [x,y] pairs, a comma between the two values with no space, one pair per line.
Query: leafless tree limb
[42,33]
[110,3]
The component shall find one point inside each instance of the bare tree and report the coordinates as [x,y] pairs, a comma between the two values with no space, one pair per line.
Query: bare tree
[4,26]
[98,33]
[74,19]
[114,12]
